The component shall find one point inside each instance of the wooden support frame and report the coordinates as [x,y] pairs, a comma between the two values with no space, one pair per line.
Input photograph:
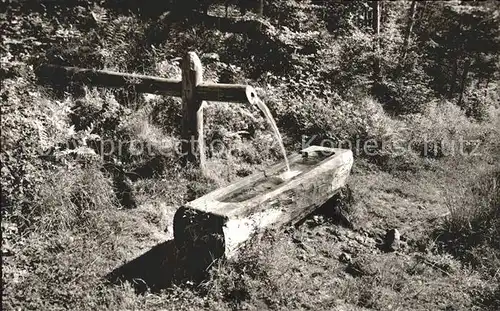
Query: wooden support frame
[191,89]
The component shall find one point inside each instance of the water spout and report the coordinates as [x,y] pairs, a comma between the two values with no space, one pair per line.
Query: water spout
[255,100]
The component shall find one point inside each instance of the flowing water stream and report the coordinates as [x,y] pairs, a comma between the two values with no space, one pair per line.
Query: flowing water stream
[262,106]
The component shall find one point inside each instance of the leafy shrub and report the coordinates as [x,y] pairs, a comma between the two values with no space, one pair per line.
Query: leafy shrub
[406,95]
[113,42]
[42,140]
[98,111]
[283,12]
[167,114]
[34,125]
[297,116]
[144,147]
[349,63]
[365,119]
[478,103]
[340,121]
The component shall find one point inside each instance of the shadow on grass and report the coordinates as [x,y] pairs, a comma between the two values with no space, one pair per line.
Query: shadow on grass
[159,268]
[153,270]
[336,209]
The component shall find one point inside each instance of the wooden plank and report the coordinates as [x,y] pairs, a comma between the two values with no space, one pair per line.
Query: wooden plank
[193,146]
[219,223]
[61,75]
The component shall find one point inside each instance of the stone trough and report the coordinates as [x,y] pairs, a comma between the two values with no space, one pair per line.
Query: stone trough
[217,224]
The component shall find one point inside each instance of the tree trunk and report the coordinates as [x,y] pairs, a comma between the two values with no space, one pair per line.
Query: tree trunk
[463,81]
[260,9]
[451,90]
[409,28]
[376,33]
[366,22]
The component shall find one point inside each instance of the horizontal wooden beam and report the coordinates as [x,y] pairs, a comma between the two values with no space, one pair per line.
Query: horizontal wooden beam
[61,75]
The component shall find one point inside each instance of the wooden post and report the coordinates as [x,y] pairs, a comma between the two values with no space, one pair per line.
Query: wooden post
[409,27]
[260,9]
[376,32]
[193,146]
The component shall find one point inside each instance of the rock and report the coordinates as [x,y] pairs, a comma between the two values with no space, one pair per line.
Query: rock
[392,240]
[345,258]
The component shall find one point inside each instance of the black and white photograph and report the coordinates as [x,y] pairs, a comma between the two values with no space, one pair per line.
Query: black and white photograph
[250,155]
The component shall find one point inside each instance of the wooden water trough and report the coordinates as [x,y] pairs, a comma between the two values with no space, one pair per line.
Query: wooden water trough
[216,225]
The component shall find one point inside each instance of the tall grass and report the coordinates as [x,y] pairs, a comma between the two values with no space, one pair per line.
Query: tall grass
[472,230]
